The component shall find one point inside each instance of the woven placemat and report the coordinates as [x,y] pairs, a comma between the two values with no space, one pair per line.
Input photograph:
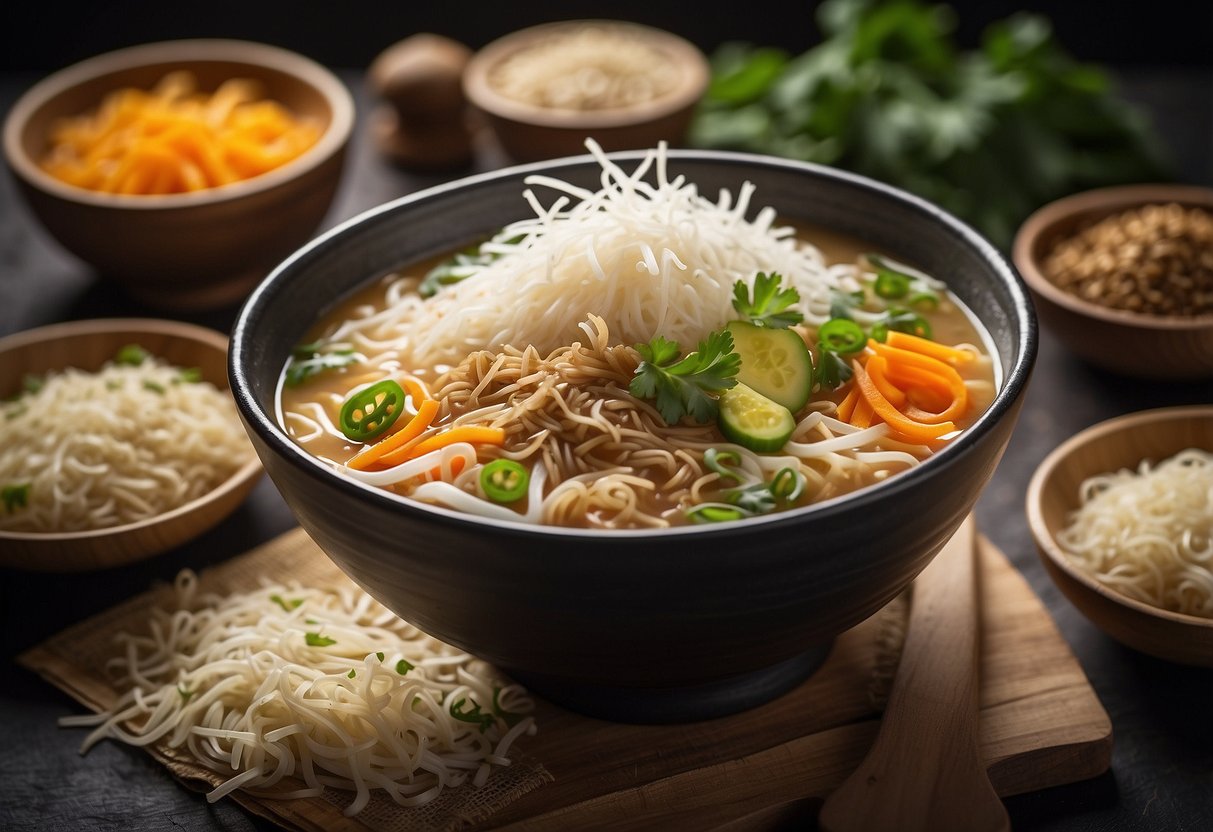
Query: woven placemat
[75,659]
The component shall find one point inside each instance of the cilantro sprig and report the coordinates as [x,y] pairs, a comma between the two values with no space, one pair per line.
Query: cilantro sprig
[769,305]
[680,386]
[309,359]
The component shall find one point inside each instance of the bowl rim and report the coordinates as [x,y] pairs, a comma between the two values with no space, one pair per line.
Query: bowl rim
[1104,202]
[187,51]
[267,430]
[1046,542]
[94,326]
[694,76]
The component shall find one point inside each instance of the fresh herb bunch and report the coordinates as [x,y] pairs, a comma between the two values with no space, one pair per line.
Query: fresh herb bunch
[990,134]
[769,305]
[680,386]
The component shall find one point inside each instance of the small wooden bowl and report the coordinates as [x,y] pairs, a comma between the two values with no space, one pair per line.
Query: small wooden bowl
[1127,343]
[1053,493]
[199,250]
[87,345]
[528,132]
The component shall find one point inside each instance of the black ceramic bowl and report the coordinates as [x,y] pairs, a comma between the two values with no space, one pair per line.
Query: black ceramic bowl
[645,626]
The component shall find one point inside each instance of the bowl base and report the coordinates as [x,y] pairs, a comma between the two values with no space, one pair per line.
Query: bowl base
[689,703]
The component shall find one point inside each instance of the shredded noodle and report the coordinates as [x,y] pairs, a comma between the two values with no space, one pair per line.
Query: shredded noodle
[290,690]
[1149,533]
[126,443]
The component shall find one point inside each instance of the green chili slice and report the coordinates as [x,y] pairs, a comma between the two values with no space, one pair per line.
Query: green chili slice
[891,285]
[504,480]
[372,410]
[841,336]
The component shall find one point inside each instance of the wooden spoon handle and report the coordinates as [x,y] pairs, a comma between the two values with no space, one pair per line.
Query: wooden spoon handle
[924,771]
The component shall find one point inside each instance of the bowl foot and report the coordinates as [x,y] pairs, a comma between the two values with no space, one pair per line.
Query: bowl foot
[689,703]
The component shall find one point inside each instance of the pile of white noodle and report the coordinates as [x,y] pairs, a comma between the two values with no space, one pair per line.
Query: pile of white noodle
[291,690]
[99,449]
[648,259]
[1149,533]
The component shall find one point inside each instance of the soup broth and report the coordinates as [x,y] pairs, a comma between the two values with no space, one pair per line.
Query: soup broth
[591,453]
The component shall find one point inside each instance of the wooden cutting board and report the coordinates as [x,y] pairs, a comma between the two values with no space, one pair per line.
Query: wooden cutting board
[1041,725]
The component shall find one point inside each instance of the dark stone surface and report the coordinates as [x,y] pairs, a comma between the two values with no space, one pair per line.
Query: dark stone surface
[1163,759]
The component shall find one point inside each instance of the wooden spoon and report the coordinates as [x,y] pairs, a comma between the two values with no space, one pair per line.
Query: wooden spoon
[924,772]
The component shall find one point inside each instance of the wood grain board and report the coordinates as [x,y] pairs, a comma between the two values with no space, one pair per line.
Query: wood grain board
[1041,725]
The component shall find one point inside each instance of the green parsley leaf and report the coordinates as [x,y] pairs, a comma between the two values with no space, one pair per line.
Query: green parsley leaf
[153,386]
[681,387]
[132,355]
[189,375]
[308,360]
[403,667]
[474,716]
[841,303]
[317,640]
[769,305]
[833,371]
[286,605]
[15,496]
[379,656]
[351,674]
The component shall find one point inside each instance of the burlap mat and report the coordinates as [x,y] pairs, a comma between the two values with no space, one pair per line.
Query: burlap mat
[74,661]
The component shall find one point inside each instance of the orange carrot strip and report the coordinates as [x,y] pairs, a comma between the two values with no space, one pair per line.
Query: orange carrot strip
[947,397]
[951,355]
[415,389]
[900,362]
[894,418]
[416,426]
[895,395]
[863,414]
[847,406]
[474,434]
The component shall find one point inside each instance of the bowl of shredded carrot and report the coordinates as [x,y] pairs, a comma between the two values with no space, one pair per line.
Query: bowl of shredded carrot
[182,170]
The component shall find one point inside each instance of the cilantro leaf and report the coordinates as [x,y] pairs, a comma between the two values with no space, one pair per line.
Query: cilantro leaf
[15,496]
[474,716]
[770,305]
[681,387]
[833,371]
[284,603]
[309,359]
[317,640]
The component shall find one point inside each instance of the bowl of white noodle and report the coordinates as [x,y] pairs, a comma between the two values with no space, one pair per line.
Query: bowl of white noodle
[120,441]
[1122,514]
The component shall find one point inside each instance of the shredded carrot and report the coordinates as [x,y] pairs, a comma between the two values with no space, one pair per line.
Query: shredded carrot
[895,419]
[847,406]
[382,450]
[906,341]
[913,369]
[174,139]
[863,414]
[475,434]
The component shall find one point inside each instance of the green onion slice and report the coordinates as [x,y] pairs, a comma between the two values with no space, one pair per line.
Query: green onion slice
[719,462]
[504,480]
[715,513]
[372,410]
[788,484]
[841,336]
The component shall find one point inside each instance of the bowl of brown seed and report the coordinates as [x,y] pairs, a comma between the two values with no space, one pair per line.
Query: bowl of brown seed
[1124,277]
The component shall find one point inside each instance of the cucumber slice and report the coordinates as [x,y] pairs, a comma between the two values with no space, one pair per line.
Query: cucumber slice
[774,362]
[753,421]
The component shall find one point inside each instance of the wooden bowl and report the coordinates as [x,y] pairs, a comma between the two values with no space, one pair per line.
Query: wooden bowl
[1127,343]
[1053,493]
[197,250]
[529,132]
[88,345]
